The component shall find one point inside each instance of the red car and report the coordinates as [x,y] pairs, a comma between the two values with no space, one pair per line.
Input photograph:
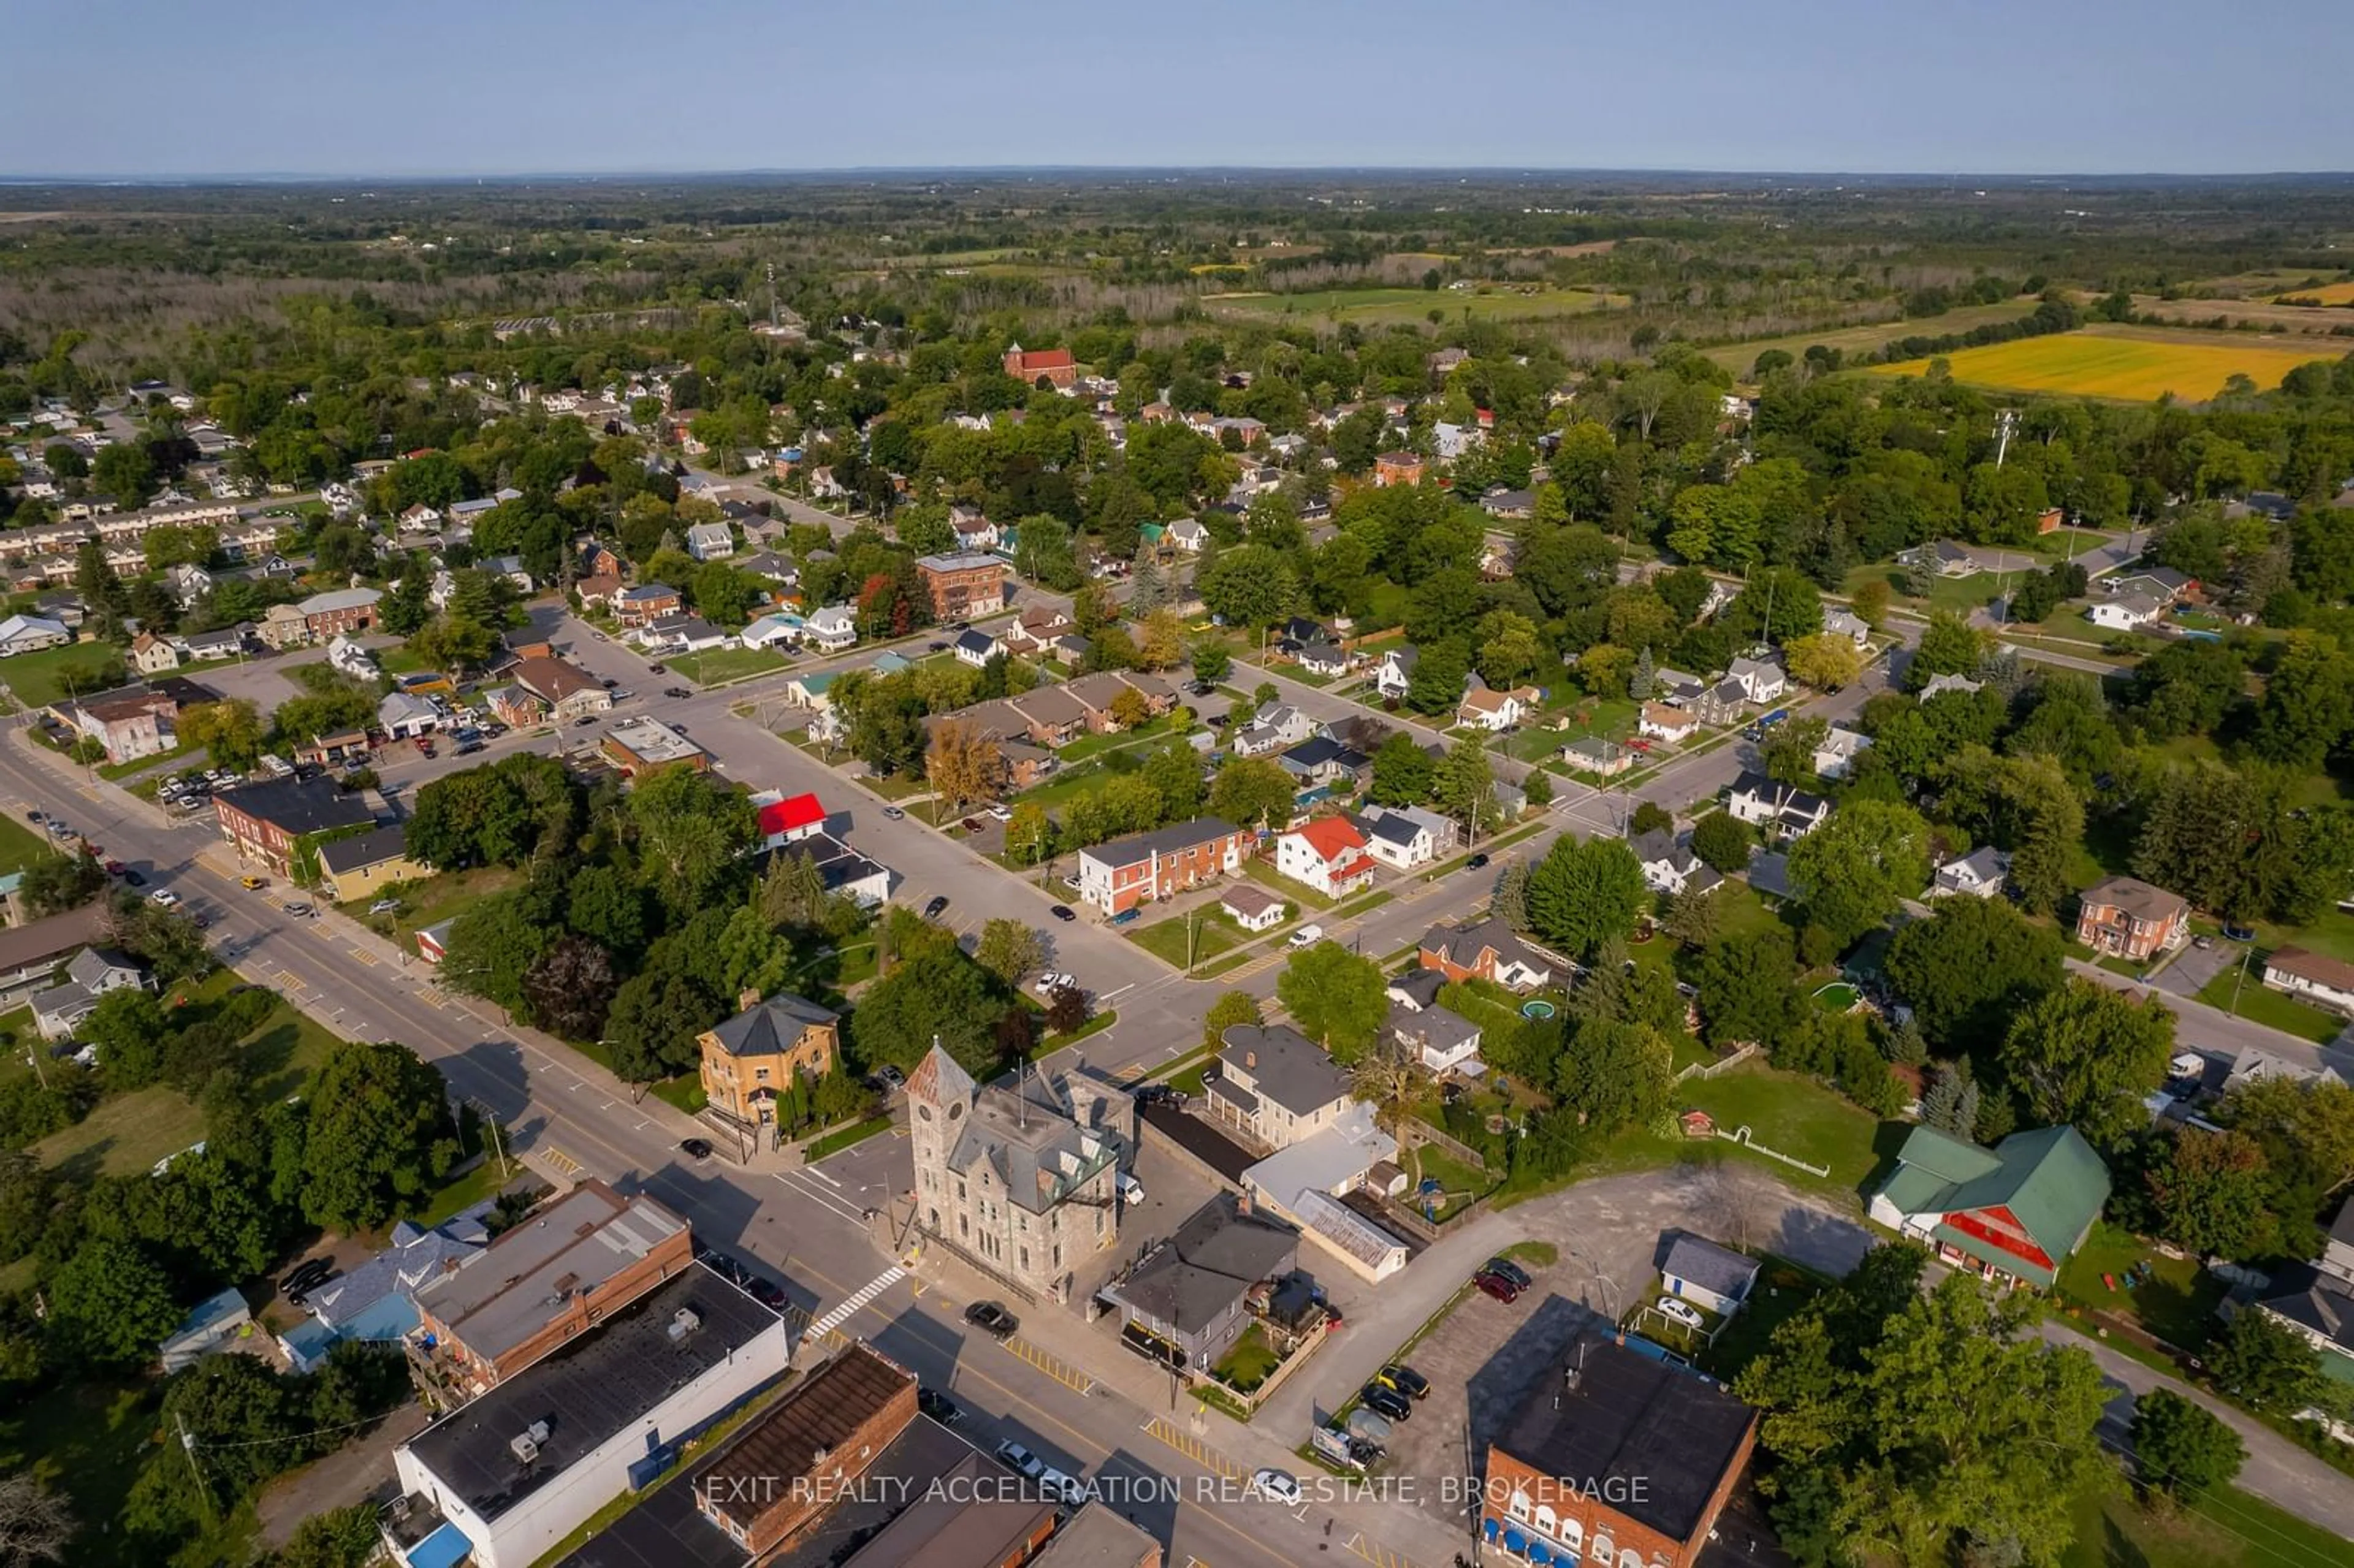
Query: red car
[114,868]
[1497,1285]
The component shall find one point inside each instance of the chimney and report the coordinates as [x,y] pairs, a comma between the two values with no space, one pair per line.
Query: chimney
[1250,1061]
[747,999]
[1241,1206]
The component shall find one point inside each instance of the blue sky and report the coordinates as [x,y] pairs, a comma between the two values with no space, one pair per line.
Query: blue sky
[127,88]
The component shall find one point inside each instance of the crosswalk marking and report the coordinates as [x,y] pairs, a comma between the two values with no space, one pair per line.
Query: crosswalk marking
[563,1163]
[364,956]
[848,1310]
[1377,1554]
[289,978]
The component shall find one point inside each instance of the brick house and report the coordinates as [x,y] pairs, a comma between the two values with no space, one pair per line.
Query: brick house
[279,822]
[750,1059]
[2128,919]
[1397,467]
[963,585]
[1615,1457]
[1056,364]
[342,613]
[644,603]
[1126,873]
[1488,949]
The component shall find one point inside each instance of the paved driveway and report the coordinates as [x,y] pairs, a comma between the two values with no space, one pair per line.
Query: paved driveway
[2194,967]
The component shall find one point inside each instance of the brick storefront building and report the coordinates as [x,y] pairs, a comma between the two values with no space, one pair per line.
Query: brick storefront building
[1119,876]
[1616,1459]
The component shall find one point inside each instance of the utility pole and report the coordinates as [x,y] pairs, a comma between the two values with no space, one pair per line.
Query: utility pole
[2241,978]
[195,1471]
[2004,423]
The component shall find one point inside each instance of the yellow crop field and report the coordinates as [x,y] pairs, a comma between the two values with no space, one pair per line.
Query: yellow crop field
[2126,363]
[2327,293]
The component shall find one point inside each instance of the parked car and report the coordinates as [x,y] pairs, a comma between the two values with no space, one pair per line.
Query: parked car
[656,670]
[1277,1486]
[889,1080]
[133,879]
[304,1275]
[893,814]
[1386,1402]
[1306,936]
[1066,1489]
[1052,981]
[1676,1311]
[1131,1190]
[972,824]
[695,1148]
[992,1320]
[297,910]
[1001,813]
[254,884]
[164,897]
[938,1406]
[1020,1461]
[1493,1283]
[933,910]
[384,906]
[1476,862]
[1062,911]
[1127,917]
[1407,1380]
[1512,1271]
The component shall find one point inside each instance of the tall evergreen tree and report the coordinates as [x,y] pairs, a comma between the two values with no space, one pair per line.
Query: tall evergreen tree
[1510,903]
[1644,683]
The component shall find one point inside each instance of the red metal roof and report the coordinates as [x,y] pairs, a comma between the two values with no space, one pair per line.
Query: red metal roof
[1331,837]
[798,811]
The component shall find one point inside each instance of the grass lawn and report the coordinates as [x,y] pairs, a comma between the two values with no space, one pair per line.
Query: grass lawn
[484,1180]
[86,1436]
[39,679]
[2268,1007]
[1215,932]
[131,1132]
[1459,1183]
[1250,1363]
[20,846]
[2177,1303]
[720,665]
[142,764]
[842,1137]
[1260,871]
[1780,1291]
[1088,745]
[432,900]
[1793,1115]
[2230,1530]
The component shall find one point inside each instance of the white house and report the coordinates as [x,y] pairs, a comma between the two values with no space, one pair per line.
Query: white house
[1395,673]
[1978,875]
[1442,1040]
[1848,624]
[833,629]
[1399,841]
[1324,658]
[350,658]
[1278,727]
[93,972]
[1838,750]
[1706,1274]
[976,648]
[771,631]
[1783,809]
[1761,680]
[1495,711]
[31,633]
[1668,867]
[2126,612]
[1660,722]
[710,541]
[1327,855]
[404,717]
[1253,908]
[1187,534]
[2311,977]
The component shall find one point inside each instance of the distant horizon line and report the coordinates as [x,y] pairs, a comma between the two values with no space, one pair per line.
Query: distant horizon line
[1002,171]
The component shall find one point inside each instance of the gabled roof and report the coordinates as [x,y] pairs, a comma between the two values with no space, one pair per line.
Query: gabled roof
[1286,1066]
[2049,1180]
[1332,838]
[1709,1266]
[1198,1277]
[793,811]
[364,850]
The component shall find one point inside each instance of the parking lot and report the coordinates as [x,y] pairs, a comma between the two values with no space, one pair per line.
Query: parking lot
[1485,1356]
